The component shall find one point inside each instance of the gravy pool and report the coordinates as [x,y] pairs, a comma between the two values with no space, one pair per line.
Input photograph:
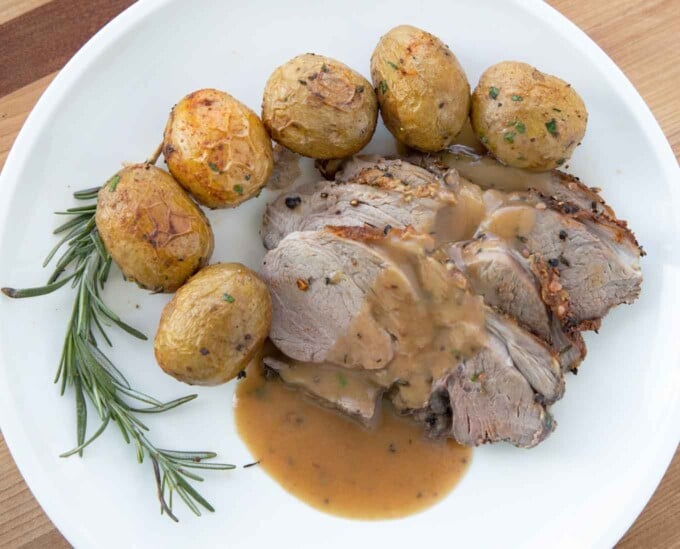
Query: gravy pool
[338,466]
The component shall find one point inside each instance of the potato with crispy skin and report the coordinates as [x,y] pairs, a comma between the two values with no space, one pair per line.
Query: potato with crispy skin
[214,325]
[154,232]
[423,92]
[319,107]
[217,148]
[526,118]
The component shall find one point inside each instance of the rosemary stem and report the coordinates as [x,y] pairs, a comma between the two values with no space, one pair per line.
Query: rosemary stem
[156,154]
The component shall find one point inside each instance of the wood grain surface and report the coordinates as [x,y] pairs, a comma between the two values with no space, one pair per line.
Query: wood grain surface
[38,36]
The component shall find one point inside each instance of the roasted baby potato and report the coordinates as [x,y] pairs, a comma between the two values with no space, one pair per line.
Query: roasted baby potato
[217,148]
[154,232]
[526,118]
[214,325]
[423,92]
[318,107]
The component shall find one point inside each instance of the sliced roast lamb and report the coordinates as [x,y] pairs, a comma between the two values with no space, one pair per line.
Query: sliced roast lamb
[387,307]
[544,250]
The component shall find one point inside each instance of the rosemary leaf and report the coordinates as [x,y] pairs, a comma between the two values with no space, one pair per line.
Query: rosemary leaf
[193,456]
[81,414]
[34,292]
[81,447]
[164,407]
[87,194]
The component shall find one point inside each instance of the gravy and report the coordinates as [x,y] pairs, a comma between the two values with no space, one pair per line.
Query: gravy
[337,466]
[489,174]
[425,308]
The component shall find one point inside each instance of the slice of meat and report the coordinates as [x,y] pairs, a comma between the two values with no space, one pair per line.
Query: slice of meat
[530,355]
[345,390]
[506,281]
[318,283]
[378,193]
[317,205]
[500,275]
[597,266]
[491,401]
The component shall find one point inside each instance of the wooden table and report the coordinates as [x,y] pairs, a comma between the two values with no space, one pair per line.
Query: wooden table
[38,36]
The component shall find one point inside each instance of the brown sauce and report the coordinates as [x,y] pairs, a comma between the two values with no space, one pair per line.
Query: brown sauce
[512,222]
[427,310]
[460,221]
[489,174]
[337,466]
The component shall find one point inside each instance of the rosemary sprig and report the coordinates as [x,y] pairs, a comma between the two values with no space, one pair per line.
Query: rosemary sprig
[94,378]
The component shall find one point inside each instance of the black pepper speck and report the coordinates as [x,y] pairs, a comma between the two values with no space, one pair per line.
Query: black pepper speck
[293,202]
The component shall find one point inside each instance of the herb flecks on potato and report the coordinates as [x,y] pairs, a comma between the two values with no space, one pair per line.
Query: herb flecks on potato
[214,325]
[526,118]
[155,233]
[319,107]
[217,148]
[423,92]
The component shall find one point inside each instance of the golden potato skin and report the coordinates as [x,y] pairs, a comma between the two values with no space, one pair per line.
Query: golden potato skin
[423,92]
[214,325]
[319,107]
[154,232]
[217,148]
[526,118]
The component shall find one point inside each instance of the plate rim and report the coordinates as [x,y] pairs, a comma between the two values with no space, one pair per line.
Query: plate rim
[17,439]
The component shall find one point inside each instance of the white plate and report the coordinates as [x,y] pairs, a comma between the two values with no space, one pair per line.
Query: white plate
[619,422]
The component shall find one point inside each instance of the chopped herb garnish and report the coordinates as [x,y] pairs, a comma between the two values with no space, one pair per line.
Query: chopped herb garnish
[382,87]
[303,82]
[359,89]
[521,238]
[516,97]
[247,177]
[483,139]
[475,377]
[493,92]
[228,298]
[393,65]
[509,137]
[552,126]
[520,127]
[560,161]
[324,68]
[213,167]
[342,380]
[238,189]
[557,110]
[113,182]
